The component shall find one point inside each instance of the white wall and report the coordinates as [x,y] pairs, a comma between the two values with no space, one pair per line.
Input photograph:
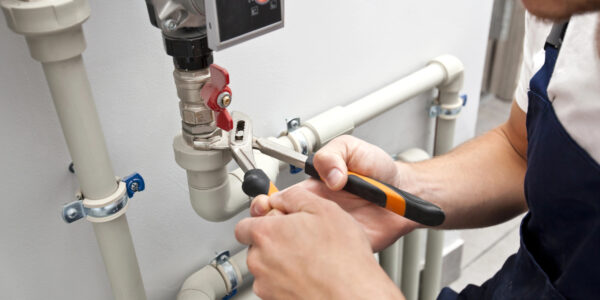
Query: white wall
[329,53]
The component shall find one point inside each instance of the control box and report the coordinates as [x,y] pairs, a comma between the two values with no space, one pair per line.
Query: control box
[230,22]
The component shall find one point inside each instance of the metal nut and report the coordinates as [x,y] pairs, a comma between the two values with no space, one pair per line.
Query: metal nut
[199,129]
[196,115]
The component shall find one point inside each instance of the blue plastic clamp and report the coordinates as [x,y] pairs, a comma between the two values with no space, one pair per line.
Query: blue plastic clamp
[134,183]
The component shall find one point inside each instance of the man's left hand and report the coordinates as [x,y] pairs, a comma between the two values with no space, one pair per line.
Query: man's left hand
[309,248]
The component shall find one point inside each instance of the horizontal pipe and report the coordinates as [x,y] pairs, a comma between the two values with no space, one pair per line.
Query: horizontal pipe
[396,93]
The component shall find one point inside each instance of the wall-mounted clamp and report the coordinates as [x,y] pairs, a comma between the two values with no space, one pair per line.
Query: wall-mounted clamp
[229,272]
[437,110]
[107,209]
[293,125]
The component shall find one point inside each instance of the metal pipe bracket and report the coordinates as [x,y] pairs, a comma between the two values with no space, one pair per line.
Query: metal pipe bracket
[98,210]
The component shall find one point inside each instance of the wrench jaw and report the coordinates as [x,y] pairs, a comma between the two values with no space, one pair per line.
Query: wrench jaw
[240,142]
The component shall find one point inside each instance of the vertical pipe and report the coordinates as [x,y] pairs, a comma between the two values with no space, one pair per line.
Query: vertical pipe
[444,141]
[411,265]
[390,262]
[116,247]
[55,38]
[76,110]
[74,104]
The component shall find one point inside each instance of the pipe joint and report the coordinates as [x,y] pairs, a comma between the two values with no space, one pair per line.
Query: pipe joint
[454,72]
[52,27]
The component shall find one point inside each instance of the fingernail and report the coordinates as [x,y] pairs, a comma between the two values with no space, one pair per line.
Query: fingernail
[334,177]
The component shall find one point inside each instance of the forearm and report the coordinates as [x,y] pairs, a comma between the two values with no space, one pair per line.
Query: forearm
[478,184]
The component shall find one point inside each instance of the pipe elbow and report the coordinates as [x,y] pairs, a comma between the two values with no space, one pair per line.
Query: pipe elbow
[205,284]
[220,203]
[454,70]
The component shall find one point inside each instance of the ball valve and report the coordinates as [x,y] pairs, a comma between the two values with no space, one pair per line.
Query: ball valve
[217,96]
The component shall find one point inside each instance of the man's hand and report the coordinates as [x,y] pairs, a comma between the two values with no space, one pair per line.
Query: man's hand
[308,248]
[332,162]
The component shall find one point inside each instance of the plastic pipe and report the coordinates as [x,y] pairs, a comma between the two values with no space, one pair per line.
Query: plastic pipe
[412,248]
[72,97]
[55,38]
[211,283]
[342,120]
[390,261]
[444,141]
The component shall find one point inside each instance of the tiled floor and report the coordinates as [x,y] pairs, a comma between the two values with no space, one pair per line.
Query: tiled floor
[485,250]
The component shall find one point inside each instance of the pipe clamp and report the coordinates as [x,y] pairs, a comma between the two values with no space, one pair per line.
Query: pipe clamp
[296,137]
[100,210]
[228,271]
[446,111]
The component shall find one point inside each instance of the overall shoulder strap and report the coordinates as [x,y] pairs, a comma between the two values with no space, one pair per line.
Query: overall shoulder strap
[557,34]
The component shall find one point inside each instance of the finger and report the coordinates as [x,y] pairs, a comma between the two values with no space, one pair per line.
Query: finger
[260,206]
[244,230]
[347,152]
[296,199]
[275,212]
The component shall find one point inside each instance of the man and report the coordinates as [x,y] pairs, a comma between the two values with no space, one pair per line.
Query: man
[543,159]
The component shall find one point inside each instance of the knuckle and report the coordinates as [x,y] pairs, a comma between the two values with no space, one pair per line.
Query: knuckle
[258,289]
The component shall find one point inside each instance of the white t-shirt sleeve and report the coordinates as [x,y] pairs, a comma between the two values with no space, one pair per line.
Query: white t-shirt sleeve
[536,32]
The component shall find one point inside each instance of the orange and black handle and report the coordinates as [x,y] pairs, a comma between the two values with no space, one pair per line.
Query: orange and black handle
[388,197]
[256,182]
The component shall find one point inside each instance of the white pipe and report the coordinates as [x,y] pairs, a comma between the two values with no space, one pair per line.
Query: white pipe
[55,38]
[411,265]
[389,260]
[444,141]
[212,282]
[396,93]
[116,247]
[410,258]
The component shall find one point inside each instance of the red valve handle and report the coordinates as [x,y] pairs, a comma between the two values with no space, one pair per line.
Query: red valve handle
[219,79]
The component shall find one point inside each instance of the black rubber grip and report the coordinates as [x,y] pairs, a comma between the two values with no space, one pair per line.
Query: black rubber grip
[256,182]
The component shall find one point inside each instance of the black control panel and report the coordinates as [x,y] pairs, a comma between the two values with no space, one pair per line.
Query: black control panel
[239,17]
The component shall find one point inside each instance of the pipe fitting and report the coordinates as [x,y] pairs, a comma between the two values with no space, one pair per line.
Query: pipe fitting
[454,70]
[52,28]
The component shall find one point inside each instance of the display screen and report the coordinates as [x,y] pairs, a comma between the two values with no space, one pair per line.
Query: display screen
[239,17]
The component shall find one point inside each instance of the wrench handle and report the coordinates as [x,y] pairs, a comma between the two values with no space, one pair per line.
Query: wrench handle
[387,196]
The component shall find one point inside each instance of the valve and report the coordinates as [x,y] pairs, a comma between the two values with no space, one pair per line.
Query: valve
[217,96]
[134,183]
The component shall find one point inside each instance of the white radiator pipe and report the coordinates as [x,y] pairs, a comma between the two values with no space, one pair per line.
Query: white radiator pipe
[55,38]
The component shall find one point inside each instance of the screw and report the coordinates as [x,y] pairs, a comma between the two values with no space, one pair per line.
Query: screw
[170,25]
[224,99]
[134,186]
[294,123]
[71,213]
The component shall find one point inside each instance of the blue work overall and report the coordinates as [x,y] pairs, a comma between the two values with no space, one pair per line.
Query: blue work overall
[559,256]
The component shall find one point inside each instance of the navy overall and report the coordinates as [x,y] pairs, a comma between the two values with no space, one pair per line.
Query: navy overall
[559,256]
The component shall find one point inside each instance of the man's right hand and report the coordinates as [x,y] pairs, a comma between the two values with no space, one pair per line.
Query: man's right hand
[333,162]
